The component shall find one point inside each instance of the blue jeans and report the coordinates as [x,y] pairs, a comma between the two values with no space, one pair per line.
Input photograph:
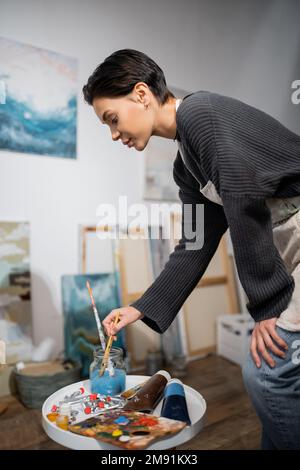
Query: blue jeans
[275,394]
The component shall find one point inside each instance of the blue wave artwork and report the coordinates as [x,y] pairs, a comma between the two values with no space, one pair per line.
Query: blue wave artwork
[39,112]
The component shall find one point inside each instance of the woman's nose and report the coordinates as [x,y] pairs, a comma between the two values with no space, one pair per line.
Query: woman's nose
[115,135]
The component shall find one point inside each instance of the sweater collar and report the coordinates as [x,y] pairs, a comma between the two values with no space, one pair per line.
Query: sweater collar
[177,104]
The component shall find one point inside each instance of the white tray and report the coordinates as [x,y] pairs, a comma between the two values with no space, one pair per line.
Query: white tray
[196,407]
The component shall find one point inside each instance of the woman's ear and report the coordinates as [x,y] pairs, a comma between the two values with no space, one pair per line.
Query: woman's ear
[142,92]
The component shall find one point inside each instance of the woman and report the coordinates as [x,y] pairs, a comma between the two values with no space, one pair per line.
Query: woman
[244,167]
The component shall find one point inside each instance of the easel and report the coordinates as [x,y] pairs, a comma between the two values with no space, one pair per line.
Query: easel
[132,261]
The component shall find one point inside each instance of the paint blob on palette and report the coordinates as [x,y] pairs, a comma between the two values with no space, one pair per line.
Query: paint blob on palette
[127,429]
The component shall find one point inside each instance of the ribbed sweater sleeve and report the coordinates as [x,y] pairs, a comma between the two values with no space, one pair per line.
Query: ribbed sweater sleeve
[261,270]
[164,298]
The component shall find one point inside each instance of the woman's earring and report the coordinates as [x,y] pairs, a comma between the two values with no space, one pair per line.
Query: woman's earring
[146,106]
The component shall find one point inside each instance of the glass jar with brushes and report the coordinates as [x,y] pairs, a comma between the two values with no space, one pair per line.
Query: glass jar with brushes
[112,380]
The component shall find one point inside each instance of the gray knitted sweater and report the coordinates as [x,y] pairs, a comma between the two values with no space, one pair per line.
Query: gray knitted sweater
[249,157]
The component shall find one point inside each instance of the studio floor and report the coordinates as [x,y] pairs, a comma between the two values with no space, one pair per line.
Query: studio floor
[231,423]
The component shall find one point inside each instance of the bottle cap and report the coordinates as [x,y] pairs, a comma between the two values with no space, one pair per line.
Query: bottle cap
[175,381]
[164,373]
[65,409]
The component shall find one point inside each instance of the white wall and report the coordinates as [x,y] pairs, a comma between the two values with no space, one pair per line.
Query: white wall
[246,49]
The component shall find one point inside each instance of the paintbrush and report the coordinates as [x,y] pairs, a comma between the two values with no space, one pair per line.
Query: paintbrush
[108,348]
[131,392]
[97,318]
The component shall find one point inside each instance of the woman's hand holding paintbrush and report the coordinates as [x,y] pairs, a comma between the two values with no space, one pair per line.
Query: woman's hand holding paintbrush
[126,316]
[113,323]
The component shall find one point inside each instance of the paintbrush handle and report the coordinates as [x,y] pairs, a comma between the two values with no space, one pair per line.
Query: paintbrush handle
[106,356]
[97,318]
[131,392]
[100,330]
[108,348]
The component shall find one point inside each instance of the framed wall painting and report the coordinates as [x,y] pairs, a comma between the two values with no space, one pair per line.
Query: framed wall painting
[39,108]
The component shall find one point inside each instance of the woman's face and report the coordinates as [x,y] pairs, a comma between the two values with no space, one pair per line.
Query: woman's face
[130,118]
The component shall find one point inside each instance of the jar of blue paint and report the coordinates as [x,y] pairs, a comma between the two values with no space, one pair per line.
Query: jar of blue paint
[112,382]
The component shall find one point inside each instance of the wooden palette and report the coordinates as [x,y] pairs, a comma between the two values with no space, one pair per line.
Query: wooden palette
[127,429]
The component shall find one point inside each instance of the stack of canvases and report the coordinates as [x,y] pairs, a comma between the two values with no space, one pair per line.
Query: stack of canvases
[15,298]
